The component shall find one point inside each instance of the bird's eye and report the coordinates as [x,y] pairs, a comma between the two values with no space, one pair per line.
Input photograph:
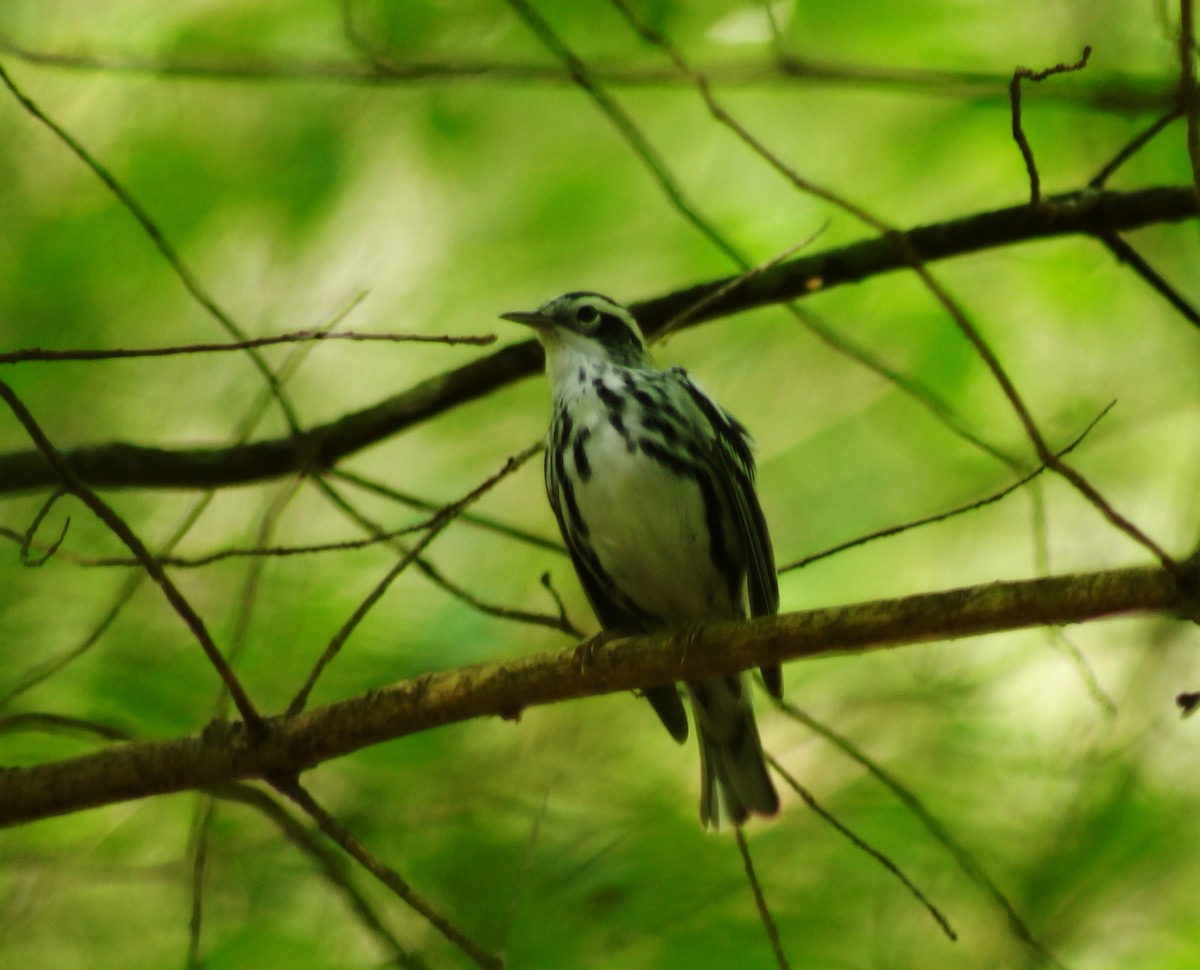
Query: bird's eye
[587,314]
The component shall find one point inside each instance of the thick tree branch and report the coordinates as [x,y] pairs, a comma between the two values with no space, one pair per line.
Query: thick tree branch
[226,752]
[121,465]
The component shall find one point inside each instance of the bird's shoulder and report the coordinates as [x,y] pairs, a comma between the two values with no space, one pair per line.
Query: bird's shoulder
[731,433]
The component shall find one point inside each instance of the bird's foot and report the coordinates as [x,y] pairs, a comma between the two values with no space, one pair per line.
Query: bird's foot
[587,649]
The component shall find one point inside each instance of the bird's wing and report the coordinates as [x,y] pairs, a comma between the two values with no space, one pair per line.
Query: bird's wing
[734,462]
[602,593]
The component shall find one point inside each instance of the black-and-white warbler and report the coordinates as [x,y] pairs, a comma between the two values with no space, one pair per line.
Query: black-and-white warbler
[652,483]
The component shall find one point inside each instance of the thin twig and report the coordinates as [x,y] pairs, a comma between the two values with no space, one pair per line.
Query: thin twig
[295,336]
[121,529]
[862,844]
[292,788]
[250,584]
[206,811]
[942,516]
[438,578]
[561,622]
[28,539]
[760,901]
[469,517]
[961,856]
[1124,94]
[1125,253]
[260,552]
[189,280]
[548,584]
[43,670]
[1091,683]
[1135,145]
[440,521]
[521,880]
[60,724]
[620,119]
[1018,133]
[731,285]
[332,866]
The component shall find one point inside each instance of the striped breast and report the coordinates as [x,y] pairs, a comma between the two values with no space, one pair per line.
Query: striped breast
[632,483]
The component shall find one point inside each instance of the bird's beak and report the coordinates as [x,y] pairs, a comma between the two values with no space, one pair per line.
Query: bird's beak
[535,320]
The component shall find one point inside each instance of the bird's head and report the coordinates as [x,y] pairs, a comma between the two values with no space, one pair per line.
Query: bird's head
[588,326]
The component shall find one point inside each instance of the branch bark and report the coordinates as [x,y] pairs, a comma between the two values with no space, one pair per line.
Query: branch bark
[122,465]
[224,752]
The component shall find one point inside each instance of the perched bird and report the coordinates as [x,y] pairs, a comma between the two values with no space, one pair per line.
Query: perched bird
[652,483]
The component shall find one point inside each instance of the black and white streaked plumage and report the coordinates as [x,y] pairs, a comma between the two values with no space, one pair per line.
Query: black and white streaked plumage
[652,483]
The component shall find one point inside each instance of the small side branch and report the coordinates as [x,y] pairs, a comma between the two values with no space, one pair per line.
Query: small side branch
[105,513]
[1014,95]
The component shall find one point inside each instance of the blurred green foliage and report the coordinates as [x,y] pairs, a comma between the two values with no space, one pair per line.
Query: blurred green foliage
[569,838]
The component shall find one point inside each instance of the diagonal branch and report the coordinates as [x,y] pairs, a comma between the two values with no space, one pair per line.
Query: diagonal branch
[190,281]
[71,482]
[121,465]
[228,752]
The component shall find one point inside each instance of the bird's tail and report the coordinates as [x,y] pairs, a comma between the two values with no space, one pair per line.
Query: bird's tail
[731,755]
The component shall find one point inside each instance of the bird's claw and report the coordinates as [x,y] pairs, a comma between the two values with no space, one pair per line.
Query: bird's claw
[587,649]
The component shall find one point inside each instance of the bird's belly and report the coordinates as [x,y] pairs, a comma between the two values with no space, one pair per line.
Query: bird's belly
[647,527]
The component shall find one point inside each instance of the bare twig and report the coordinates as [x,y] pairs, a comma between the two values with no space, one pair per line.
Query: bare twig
[439,579]
[693,311]
[548,584]
[1135,145]
[962,857]
[331,865]
[296,336]
[520,882]
[43,670]
[60,724]
[942,516]
[440,521]
[118,526]
[760,902]
[860,843]
[471,518]
[1125,253]
[1123,94]
[28,539]
[1014,95]
[202,831]
[292,788]
[1064,645]
[261,552]
[189,280]
[559,622]
[250,584]
[628,130]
